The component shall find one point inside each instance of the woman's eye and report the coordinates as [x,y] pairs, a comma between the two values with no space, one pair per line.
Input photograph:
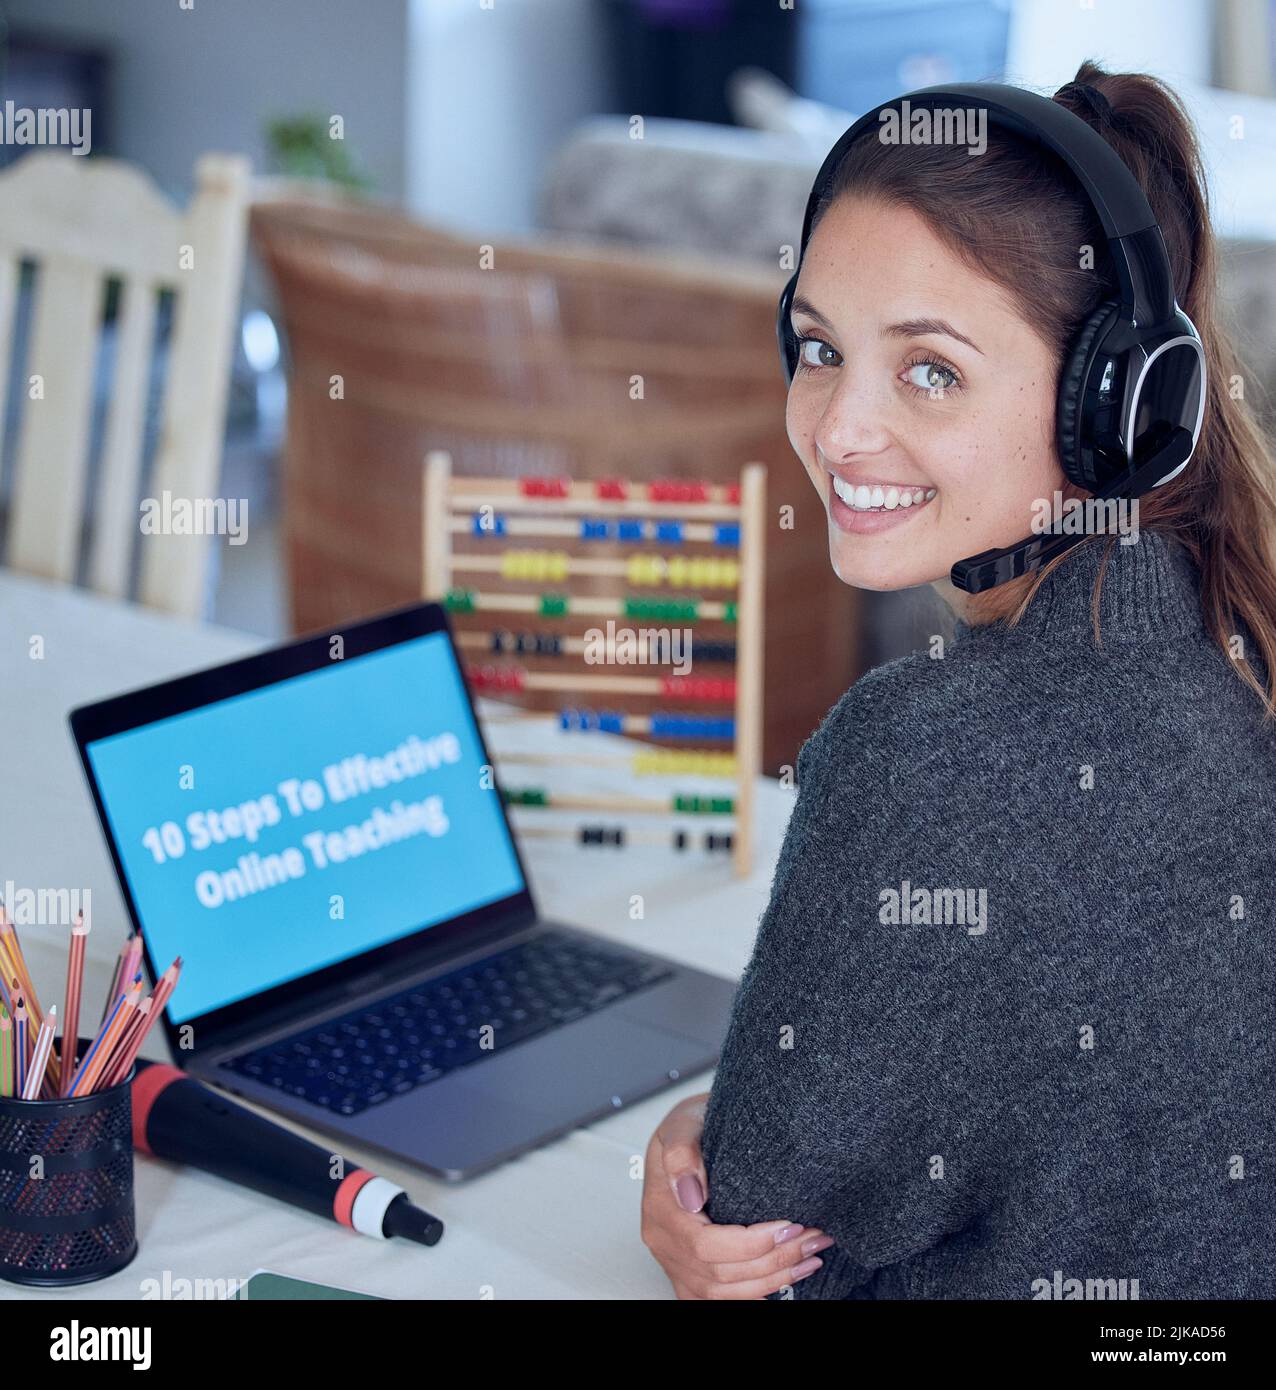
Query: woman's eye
[931,376]
[814,352]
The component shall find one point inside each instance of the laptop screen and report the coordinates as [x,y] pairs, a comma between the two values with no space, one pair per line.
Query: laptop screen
[285,829]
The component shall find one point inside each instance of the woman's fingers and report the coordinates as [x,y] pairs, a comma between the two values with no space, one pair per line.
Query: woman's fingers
[703,1260]
[680,1155]
[743,1244]
[756,1288]
[785,1250]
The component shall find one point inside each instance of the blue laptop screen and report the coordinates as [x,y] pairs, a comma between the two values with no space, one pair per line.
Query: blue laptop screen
[283,830]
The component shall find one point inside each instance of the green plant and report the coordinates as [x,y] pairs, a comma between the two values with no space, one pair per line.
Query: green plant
[303,147]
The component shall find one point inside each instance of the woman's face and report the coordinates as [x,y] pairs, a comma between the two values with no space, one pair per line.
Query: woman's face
[923,405]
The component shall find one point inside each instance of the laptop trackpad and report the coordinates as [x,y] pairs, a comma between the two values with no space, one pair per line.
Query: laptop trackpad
[492,1109]
[579,1070]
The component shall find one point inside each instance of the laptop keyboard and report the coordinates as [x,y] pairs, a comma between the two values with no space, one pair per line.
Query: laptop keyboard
[406,1041]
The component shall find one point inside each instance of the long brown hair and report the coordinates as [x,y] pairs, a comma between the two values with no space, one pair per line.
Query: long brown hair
[1017,216]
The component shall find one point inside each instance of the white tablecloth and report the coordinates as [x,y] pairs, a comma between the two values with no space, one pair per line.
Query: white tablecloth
[558,1223]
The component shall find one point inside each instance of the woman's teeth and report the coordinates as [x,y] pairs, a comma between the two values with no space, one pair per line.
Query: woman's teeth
[871,499]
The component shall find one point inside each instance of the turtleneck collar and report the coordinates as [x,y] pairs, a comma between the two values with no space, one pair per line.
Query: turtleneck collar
[1151,590]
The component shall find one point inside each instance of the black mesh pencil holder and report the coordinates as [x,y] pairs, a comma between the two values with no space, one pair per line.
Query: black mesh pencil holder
[76,1222]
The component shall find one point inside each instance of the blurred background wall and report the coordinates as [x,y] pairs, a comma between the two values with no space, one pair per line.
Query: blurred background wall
[598,145]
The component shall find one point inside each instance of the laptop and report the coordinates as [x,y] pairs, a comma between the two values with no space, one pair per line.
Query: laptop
[317,832]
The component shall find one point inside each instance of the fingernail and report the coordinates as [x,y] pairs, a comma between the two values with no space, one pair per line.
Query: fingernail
[816,1244]
[787,1233]
[805,1268]
[689,1192]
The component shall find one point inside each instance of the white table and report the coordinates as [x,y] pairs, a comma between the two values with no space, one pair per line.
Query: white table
[558,1223]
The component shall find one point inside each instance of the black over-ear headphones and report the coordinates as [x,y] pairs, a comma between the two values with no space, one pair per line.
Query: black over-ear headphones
[1132,388]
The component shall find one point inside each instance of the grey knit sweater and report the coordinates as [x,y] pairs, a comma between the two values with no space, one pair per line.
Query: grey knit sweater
[1060,1074]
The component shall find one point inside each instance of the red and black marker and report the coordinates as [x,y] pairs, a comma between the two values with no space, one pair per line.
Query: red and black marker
[178,1118]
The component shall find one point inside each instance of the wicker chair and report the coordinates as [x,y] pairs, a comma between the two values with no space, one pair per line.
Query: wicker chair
[565,361]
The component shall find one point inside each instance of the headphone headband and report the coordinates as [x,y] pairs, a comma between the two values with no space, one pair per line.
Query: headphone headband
[1145,282]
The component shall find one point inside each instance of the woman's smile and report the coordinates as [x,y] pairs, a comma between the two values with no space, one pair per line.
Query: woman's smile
[865,506]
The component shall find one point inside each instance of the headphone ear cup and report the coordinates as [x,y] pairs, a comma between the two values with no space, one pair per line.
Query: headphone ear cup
[1071,385]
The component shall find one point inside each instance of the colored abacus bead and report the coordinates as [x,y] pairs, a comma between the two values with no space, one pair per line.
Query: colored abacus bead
[703,572]
[697,688]
[496,677]
[669,762]
[612,489]
[727,533]
[677,490]
[644,569]
[526,796]
[545,487]
[601,835]
[535,564]
[553,605]
[712,651]
[459,600]
[690,726]
[703,805]
[664,610]
[628,530]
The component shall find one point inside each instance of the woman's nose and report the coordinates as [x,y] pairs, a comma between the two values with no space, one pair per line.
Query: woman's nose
[855,420]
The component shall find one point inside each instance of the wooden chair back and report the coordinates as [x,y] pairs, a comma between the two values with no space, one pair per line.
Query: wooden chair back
[82,224]
[520,360]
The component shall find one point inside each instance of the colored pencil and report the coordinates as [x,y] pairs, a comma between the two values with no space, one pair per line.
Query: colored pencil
[146,1018]
[19,1043]
[117,979]
[104,1044]
[92,1048]
[10,972]
[18,964]
[6,1054]
[133,960]
[137,1025]
[40,1058]
[74,986]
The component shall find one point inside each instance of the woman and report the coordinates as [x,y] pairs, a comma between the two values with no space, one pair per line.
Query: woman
[1008,1030]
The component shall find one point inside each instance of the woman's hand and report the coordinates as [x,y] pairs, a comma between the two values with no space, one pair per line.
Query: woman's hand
[703,1260]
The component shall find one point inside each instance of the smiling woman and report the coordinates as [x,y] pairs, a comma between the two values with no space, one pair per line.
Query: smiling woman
[902,1112]
[888,395]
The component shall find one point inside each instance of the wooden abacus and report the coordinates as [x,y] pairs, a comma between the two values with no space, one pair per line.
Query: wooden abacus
[551,520]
